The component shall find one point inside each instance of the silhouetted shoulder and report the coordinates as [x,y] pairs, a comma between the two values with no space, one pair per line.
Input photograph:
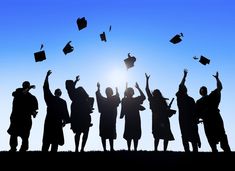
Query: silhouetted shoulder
[17,92]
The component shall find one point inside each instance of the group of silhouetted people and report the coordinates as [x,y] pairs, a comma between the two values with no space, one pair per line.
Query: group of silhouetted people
[191,113]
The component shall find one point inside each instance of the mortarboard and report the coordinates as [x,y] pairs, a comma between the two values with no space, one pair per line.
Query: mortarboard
[203,60]
[81,23]
[176,38]
[40,55]
[110,28]
[103,37]
[68,48]
[129,61]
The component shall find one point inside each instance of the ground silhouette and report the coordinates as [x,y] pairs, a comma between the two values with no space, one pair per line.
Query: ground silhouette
[96,160]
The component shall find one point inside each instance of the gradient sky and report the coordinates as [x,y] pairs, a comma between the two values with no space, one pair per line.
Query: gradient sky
[140,27]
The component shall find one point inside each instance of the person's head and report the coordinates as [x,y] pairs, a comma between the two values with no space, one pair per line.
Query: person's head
[203,91]
[157,93]
[57,92]
[26,84]
[80,91]
[129,92]
[109,92]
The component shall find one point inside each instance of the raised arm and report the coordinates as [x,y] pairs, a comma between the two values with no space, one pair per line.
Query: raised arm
[98,86]
[99,99]
[117,93]
[117,97]
[46,83]
[182,83]
[76,80]
[98,94]
[147,86]
[125,89]
[140,91]
[46,89]
[218,82]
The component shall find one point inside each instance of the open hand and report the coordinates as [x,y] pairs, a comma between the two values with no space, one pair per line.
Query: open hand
[147,76]
[216,75]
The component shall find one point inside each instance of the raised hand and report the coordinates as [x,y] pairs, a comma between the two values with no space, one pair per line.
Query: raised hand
[116,89]
[98,85]
[216,75]
[147,76]
[137,85]
[77,78]
[49,72]
[185,72]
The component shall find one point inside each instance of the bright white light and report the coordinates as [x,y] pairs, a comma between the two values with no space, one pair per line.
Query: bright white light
[117,77]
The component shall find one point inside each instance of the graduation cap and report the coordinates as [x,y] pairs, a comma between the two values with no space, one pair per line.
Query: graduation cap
[40,55]
[81,23]
[103,37]
[110,28]
[68,48]
[203,60]
[177,38]
[130,61]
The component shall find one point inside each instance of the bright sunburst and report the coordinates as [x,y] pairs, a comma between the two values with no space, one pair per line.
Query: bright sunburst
[117,77]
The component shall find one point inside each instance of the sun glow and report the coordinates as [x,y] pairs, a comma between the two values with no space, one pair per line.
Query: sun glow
[117,77]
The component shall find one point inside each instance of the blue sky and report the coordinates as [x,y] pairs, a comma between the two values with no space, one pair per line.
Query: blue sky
[142,28]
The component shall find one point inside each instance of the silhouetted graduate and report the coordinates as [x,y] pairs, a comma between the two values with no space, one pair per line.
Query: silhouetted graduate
[81,23]
[160,118]
[25,105]
[81,108]
[40,55]
[130,110]
[129,62]
[177,38]
[56,118]
[207,108]
[107,107]
[68,48]
[187,117]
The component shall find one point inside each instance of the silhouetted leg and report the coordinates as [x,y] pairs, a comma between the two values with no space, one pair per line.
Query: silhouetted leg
[136,144]
[13,143]
[212,145]
[195,146]
[103,140]
[224,144]
[77,139]
[156,142]
[104,143]
[186,145]
[54,147]
[45,147]
[84,139]
[111,144]
[25,144]
[214,148]
[165,144]
[129,144]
